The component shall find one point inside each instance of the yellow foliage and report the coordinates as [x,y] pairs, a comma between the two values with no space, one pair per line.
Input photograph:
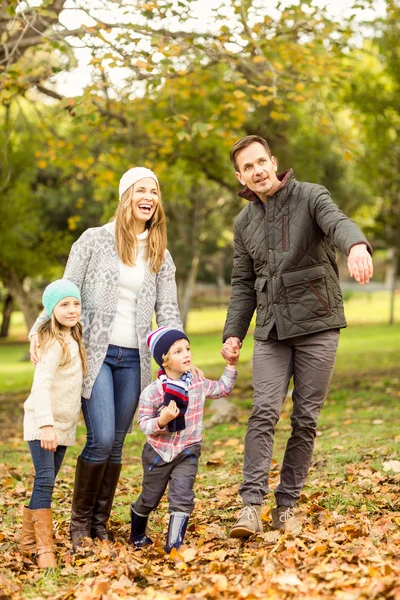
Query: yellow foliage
[73,222]
[108,176]
[239,94]
[42,164]
[347,155]
[259,59]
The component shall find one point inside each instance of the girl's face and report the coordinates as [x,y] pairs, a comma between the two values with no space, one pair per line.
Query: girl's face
[68,312]
[145,199]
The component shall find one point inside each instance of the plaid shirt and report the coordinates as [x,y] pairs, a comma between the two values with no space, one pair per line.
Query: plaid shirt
[168,445]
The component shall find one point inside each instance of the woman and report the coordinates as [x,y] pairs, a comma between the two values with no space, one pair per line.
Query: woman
[124,273]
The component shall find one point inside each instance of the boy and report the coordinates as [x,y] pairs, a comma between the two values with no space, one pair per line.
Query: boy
[171,415]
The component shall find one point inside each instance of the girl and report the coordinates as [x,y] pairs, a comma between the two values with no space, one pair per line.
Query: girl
[52,411]
[125,274]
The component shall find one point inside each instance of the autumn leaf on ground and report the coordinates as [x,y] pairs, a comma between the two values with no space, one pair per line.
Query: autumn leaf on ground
[392,465]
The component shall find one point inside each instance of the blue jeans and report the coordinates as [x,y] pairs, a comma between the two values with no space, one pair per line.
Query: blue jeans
[47,464]
[110,409]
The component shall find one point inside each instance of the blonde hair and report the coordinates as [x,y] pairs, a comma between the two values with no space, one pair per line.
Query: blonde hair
[125,235]
[51,331]
[166,360]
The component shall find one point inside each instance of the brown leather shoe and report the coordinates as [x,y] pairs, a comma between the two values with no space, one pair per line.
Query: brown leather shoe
[27,544]
[88,478]
[248,523]
[43,525]
[104,501]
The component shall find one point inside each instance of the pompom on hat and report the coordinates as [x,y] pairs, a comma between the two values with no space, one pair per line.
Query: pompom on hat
[160,341]
[56,291]
[134,175]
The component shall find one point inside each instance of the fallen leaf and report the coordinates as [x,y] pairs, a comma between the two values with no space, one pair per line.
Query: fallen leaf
[392,465]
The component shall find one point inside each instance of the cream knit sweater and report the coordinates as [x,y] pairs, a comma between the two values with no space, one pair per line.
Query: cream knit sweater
[55,397]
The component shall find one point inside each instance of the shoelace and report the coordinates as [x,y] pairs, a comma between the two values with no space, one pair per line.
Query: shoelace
[247,511]
[287,514]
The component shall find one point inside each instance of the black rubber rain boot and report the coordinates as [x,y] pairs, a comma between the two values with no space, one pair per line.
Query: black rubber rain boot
[138,535]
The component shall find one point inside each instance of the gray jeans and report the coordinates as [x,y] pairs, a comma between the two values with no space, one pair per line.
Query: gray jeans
[310,360]
[180,474]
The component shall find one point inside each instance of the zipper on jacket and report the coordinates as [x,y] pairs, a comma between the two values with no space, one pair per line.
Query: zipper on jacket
[320,298]
[153,464]
[284,225]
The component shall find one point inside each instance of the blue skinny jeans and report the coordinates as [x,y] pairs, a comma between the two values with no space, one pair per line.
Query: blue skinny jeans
[47,464]
[110,409]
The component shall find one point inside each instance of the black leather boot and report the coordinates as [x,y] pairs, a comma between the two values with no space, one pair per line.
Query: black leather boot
[104,501]
[138,535]
[176,530]
[88,478]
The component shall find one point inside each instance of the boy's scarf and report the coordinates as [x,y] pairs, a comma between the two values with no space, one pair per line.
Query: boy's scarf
[178,390]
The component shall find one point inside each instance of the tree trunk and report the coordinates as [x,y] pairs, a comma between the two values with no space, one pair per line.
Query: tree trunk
[15,286]
[186,286]
[186,291]
[7,312]
[393,270]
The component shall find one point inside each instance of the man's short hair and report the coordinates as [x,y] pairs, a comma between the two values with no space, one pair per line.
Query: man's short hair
[243,143]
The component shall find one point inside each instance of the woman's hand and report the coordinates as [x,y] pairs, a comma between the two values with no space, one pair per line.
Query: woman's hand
[48,438]
[33,349]
[196,371]
[168,414]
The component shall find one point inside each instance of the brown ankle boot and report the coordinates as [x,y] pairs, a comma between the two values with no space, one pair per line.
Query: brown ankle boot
[27,544]
[43,525]
[88,478]
[104,501]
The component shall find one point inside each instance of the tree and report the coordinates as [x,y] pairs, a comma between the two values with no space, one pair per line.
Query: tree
[186,96]
[374,93]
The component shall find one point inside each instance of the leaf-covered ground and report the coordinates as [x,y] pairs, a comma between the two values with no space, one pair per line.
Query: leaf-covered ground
[343,543]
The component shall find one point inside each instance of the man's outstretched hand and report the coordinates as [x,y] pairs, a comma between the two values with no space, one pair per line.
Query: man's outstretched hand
[359,263]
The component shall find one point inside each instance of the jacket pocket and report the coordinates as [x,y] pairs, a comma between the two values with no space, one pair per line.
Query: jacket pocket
[260,287]
[307,294]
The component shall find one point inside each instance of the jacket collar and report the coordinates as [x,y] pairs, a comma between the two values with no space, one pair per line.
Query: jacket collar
[283,177]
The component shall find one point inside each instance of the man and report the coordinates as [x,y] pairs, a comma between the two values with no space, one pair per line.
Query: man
[285,269]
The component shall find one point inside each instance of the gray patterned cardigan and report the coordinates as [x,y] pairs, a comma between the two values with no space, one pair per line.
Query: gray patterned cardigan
[93,266]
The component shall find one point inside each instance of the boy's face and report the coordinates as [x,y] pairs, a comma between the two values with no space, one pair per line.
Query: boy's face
[180,357]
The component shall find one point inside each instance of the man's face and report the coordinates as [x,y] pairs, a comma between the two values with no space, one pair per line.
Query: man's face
[257,170]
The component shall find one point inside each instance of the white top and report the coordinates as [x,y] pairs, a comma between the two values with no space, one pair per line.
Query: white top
[55,398]
[130,282]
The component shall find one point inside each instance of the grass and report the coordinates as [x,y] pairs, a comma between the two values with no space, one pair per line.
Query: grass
[357,433]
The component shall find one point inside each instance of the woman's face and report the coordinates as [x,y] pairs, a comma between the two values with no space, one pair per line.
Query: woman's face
[145,199]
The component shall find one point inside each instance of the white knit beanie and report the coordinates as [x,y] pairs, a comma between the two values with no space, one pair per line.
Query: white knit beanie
[132,176]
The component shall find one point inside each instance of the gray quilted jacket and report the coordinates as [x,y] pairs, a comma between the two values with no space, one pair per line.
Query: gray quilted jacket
[285,263]
[93,266]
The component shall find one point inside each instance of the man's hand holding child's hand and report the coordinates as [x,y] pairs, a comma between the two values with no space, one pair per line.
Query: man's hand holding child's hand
[231,351]
[168,414]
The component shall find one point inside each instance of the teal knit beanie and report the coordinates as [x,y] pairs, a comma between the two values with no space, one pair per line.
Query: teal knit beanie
[56,291]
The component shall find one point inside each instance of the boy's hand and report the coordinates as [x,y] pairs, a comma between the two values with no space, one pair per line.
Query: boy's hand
[233,361]
[168,414]
[231,350]
[48,438]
